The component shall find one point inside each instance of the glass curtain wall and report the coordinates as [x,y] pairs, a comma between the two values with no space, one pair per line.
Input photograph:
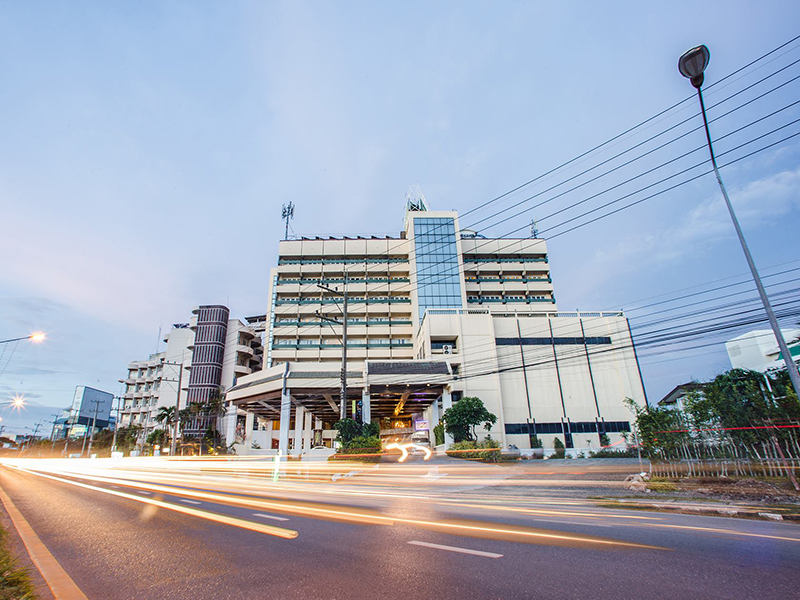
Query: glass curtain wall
[438,281]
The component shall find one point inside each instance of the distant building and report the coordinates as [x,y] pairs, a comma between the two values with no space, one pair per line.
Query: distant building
[675,399]
[211,352]
[89,407]
[758,350]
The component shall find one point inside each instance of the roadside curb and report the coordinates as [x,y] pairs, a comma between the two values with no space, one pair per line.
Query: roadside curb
[736,511]
[60,583]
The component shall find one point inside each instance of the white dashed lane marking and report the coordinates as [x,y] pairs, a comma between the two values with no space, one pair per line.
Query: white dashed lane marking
[270,517]
[188,501]
[456,549]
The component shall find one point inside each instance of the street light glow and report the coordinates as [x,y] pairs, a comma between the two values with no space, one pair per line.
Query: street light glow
[19,401]
[37,337]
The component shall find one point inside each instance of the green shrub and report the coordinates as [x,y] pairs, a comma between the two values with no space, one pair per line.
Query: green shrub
[438,434]
[488,450]
[15,582]
[535,441]
[605,440]
[361,448]
[608,453]
[558,449]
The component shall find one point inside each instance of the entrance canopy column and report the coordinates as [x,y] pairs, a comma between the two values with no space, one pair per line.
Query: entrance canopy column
[365,406]
[248,430]
[307,425]
[230,424]
[299,412]
[286,415]
[447,402]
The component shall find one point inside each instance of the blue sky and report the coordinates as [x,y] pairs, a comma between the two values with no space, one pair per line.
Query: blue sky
[147,148]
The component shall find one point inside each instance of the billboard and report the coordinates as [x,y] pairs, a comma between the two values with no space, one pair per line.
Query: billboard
[88,400]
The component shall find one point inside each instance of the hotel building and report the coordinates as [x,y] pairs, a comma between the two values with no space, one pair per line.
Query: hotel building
[433,315]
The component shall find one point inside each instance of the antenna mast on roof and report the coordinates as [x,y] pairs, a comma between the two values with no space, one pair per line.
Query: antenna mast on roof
[534,229]
[287,212]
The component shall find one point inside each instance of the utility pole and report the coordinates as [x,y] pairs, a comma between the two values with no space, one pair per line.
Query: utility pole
[94,422]
[343,323]
[86,433]
[174,442]
[53,434]
[119,400]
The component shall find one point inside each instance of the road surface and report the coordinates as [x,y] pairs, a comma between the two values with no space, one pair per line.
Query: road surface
[216,530]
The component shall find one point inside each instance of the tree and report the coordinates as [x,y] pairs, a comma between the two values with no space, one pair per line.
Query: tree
[558,448]
[157,436]
[461,419]
[605,441]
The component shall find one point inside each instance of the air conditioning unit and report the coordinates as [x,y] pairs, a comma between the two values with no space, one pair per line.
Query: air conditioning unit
[447,348]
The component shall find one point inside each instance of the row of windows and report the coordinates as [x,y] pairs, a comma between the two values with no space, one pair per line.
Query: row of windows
[553,341]
[208,354]
[205,375]
[213,315]
[567,427]
[350,300]
[377,343]
[507,279]
[211,333]
[339,261]
[506,299]
[286,280]
[367,322]
[504,259]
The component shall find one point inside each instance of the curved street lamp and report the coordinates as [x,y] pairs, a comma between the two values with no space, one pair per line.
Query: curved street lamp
[35,337]
[692,65]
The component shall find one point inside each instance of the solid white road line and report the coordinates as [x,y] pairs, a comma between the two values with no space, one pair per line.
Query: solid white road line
[456,549]
[270,517]
[189,501]
[143,492]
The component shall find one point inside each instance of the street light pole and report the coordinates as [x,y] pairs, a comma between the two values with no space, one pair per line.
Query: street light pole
[86,433]
[691,65]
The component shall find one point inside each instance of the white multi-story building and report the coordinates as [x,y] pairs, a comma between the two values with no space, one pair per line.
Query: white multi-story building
[434,315]
[211,352]
[758,350]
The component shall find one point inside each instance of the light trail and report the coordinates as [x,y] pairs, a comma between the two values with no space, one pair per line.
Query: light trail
[360,516]
[195,512]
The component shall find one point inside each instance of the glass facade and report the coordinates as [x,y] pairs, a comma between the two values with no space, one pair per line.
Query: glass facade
[438,282]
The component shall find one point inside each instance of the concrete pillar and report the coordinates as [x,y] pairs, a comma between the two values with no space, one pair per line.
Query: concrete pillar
[365,406]
[434,420]
[299,411]
[230,424]
[447,402]
[286,415]
[248,431]
[307,431]
[269,435]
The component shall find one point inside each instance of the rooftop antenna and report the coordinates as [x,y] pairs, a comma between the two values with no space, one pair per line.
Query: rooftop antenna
[287,212]
[534,229]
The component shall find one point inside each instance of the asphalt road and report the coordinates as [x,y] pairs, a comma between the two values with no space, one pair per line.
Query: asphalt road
[429,540]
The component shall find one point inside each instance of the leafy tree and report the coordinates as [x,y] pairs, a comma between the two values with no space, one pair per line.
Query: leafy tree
[604,439]
[157,436]
[535,441]
[348,429]
[461,419]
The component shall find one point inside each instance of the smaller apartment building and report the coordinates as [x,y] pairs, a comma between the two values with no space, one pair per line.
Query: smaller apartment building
[206,355]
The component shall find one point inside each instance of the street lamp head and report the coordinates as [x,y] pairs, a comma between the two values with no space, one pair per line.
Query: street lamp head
[693,63]
[37,337]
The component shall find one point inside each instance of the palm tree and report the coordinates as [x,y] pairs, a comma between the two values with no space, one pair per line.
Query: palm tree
[167,416]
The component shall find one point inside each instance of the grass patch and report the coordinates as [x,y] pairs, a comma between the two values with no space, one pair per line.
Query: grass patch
[661,484]
[15,581]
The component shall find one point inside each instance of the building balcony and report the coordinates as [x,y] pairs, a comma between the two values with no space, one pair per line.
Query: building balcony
[242,370]
[242,349]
